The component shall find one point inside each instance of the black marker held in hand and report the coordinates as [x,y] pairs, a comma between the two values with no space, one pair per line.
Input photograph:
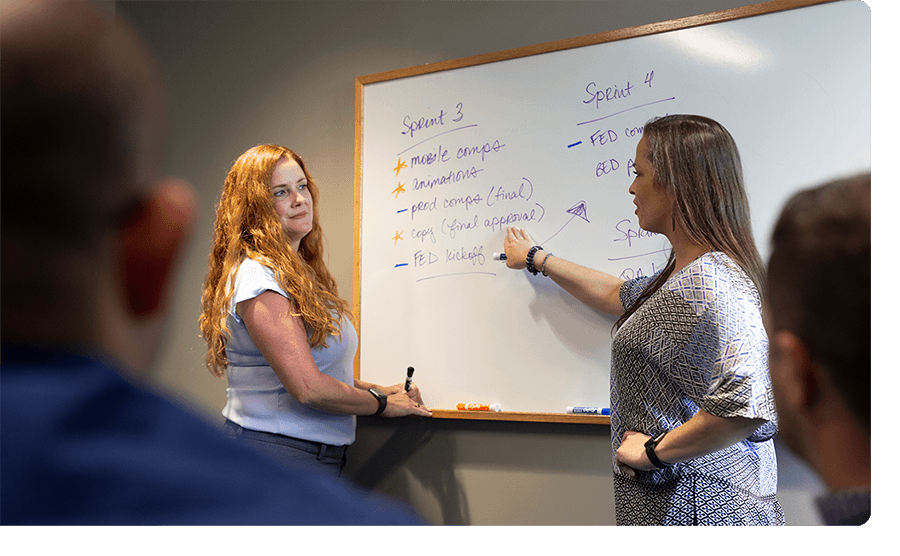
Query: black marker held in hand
[409,373]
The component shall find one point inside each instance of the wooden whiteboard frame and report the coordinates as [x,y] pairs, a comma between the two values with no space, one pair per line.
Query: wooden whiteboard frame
[521,52]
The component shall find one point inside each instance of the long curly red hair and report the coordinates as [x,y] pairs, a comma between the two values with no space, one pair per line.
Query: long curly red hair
[247,226]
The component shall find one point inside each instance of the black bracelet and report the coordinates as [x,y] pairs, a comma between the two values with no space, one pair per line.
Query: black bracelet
[650,448]
[529,260]
[382,400]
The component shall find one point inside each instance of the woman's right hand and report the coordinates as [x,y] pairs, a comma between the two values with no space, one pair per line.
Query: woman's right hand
[516,246]
[401,404]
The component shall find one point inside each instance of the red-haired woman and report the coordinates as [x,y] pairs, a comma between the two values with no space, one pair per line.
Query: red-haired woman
[274,323]
[692,412]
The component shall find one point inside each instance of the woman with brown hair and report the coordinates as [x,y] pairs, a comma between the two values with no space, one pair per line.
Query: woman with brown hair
[692,412]
[274,323]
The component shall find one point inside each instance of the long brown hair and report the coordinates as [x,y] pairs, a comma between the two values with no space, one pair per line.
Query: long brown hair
[246,226]
[697,162]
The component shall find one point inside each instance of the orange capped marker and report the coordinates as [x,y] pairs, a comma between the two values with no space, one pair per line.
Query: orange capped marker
[478,407]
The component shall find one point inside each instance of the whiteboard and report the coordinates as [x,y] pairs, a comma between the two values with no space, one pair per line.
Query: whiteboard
[448,159]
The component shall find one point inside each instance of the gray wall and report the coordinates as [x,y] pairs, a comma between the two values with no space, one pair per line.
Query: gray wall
[243,73]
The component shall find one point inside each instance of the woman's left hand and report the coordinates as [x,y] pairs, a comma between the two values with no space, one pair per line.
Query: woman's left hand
[632,455]
[414,393]
[702,434]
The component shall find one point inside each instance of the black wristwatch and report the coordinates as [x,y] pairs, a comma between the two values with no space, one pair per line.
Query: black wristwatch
[382,400]
[650,447]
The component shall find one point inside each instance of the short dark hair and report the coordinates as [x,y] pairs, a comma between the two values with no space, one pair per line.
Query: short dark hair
[81,99]
[820,282]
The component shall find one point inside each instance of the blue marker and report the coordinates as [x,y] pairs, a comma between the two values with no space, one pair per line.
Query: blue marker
[499,256]
[409,373]
[588,410]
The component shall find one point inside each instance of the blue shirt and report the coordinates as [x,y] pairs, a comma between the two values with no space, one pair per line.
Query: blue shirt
[81,445]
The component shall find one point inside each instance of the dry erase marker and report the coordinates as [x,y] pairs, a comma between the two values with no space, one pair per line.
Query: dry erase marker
[588,410]
[499,256]
[409,373]
[478,407]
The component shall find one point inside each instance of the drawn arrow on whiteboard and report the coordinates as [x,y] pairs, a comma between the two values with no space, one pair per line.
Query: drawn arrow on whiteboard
[579,210]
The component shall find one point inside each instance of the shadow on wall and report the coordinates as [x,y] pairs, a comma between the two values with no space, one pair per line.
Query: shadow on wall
[462,472]
[381,459]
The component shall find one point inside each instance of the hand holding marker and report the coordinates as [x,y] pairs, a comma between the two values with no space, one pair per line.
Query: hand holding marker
[408,386]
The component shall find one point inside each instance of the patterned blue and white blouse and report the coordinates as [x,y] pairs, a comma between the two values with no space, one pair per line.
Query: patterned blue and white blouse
[697,343]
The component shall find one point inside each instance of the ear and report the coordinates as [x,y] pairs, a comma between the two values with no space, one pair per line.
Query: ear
[149,245]
[798,377]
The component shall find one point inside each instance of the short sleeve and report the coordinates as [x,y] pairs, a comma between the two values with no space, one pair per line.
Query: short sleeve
[728,352]
[251,279]
[632,289]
